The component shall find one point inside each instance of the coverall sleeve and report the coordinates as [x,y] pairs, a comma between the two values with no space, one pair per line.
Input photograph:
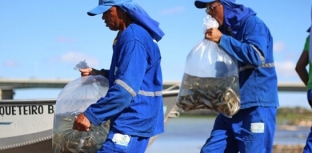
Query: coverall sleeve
[106,72]
[130,70]
[252,48]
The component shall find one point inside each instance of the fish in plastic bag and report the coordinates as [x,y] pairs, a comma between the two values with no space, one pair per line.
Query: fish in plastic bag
[76,96]
[210,79]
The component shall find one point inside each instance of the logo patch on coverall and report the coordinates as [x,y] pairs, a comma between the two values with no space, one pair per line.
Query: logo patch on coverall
[121,139]
[257,127]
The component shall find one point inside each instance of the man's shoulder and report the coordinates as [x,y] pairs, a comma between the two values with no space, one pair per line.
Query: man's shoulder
[135,31]
[254,20]
[255,23]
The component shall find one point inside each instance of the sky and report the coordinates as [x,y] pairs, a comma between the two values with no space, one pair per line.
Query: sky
[46,39]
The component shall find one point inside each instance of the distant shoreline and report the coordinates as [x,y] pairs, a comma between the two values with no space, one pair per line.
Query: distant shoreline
[288,118]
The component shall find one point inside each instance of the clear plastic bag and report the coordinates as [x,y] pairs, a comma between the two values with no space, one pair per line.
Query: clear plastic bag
[210,79]
[76,96]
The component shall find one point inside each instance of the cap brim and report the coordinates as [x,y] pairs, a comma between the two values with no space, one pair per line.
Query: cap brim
[202,3]
[309,29]
[99,10]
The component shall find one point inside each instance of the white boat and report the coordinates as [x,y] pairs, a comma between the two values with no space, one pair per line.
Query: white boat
[26,125]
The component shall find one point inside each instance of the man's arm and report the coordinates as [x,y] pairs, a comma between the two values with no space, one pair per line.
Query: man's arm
[253,47]
[130,70]
[302,63]
[301,67]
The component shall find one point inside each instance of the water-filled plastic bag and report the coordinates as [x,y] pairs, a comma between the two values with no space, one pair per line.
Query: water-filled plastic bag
[210,79]
[74,98]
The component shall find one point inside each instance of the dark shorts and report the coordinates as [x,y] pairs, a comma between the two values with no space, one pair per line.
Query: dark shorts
[309,97]
[308,146]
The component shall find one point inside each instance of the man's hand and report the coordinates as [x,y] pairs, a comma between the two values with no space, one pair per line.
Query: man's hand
[213,34]
[82,123]
[87,71]
[90,71]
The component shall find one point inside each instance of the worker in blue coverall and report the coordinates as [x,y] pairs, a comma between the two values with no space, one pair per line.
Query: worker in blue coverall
[133,103]
[308,146]
[247,39]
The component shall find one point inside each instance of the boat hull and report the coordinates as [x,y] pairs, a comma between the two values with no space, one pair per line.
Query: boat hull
[33,132]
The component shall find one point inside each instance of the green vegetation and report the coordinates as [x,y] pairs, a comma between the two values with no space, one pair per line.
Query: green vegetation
[289,115]
[285,115]
[197,115]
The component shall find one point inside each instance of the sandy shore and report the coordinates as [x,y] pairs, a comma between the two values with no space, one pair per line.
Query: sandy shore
[280,148]
[288,148]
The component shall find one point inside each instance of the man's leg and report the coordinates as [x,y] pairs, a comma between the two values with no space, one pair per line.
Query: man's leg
[254,129]
[221,139]
[122,143]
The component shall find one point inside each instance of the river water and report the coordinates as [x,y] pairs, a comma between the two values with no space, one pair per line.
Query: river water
[187,135]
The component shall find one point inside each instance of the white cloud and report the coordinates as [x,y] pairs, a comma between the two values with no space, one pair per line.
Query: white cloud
[279,46]
[285,69]
[10,63]
[75,57]
[173,10]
